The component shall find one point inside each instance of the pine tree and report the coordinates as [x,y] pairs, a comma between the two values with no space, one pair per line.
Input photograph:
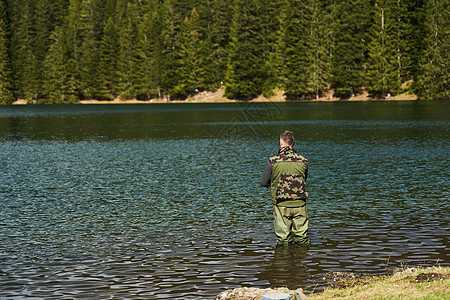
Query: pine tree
[149,59]
[127,42]
[305,63]
[68,50]
[433,80]
[382,75]
[72,46]
[145,70]
[43,27]
[22,50]
[349,30]
[109,60]
[170,27]
[216,40]
[248,73]
[280,42]
[108,10]
[58,79]
[6,95]
[418,32]
[402,39]
[59,12]
[271,27]
[184,8]
[320,68]
[190,60]
[88,61]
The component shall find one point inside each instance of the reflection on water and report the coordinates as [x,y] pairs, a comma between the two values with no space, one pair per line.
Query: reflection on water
[287,268]
[162,201]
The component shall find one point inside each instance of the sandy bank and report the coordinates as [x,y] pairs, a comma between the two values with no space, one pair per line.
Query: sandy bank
[218,97]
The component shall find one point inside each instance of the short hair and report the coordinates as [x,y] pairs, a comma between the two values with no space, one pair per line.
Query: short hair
[288,137]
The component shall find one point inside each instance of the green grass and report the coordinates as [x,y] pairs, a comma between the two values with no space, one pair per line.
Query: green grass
[434,283]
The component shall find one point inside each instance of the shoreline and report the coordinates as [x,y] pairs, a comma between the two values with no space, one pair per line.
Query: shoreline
[405,283]
[218,97]
[408,283]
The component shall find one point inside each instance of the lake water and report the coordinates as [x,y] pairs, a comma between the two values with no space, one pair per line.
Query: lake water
[163,201]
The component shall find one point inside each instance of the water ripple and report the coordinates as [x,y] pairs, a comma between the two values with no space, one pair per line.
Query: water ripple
[102,215]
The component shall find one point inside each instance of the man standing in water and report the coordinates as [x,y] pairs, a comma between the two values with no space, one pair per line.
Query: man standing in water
[285,175]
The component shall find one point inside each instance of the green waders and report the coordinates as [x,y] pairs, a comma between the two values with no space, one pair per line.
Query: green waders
[291,223]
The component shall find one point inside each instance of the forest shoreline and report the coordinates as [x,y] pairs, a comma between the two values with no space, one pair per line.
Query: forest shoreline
[218,97]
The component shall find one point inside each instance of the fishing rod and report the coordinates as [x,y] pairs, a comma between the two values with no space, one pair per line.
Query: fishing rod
[251,126]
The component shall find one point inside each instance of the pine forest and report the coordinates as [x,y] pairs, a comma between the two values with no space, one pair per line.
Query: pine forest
[64,51]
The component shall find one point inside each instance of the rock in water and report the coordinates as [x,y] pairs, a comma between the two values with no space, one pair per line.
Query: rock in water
[276,296]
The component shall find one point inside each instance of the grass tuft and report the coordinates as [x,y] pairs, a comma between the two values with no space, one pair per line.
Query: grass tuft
[409,283]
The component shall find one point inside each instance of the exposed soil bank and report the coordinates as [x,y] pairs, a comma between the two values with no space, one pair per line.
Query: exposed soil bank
[218,97]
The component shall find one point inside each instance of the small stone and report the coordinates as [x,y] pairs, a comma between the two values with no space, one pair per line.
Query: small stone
[244,293]
[276,296]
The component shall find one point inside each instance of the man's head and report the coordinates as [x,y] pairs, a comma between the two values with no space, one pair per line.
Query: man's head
[287,139]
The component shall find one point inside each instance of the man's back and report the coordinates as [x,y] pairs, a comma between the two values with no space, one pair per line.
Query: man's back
[289,172]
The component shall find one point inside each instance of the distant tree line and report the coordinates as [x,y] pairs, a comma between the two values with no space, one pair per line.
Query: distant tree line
[62,51]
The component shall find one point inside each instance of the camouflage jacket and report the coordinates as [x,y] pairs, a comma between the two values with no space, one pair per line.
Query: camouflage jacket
[288,171]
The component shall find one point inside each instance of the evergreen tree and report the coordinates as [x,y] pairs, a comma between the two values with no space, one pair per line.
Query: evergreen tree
[109,61]
[207,16]
[216,40]
[248,73]
[72,46]
[327,17]
[74,49]
[183,8]
[22,50]
[433,80]
[88,61]
[127,42]
[319,69]
[305,68]
[190,71]
[43,27]
[59,12]
[6,95]
[271,27]
[418,33]
[280,42]
[382,75]
[145,72]
[108,9]
[169,34]
[149,56]
[59,79]
[349,30]
[402,39]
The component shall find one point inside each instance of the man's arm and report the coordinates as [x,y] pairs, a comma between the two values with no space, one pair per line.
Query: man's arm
[265,179]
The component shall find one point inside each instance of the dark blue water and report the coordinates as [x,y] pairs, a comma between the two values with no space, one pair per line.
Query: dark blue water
[163,201]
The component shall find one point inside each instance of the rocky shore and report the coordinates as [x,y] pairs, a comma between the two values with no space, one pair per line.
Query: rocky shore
[409,283]
[244,293]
